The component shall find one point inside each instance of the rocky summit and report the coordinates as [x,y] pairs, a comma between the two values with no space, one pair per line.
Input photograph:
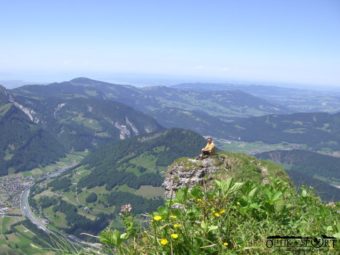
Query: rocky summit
[188,172]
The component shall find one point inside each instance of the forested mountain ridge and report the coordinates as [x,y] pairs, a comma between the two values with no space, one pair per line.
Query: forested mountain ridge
[78,87]
[309,162]
[23,143]
[38,131]
[161,148]
[83,123]
[311,169]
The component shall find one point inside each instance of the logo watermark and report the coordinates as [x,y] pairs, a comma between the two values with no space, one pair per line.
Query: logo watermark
[300,244]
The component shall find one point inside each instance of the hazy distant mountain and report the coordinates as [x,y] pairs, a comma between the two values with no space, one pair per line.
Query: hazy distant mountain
[226,104]
[296,100]
[79,87]
[10,84]
[316,130]
[204,112]
[225,114]
[222,103]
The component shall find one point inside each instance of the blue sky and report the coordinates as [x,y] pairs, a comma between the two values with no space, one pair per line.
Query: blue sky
[279,41]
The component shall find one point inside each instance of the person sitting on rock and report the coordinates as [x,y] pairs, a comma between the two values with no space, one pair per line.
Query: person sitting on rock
[208,150]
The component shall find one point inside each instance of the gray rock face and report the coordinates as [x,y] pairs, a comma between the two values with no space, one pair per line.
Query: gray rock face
[187,174]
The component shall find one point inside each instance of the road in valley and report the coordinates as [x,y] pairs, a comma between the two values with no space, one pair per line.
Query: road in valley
[27,211]
[42,223]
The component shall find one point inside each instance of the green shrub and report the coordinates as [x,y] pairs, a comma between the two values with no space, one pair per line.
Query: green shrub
[229,218]
[91,198]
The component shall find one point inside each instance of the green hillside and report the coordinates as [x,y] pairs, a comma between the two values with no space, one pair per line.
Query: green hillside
[38,131]
[25,144]
[310,168]
[83,123]
[129,171]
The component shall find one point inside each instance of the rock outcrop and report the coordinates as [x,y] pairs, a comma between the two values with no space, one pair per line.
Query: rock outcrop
[188,173]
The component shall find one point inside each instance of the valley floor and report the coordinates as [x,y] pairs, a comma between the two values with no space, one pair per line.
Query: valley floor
[17,229]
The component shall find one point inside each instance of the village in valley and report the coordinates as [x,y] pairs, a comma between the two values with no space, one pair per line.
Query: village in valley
[11,188]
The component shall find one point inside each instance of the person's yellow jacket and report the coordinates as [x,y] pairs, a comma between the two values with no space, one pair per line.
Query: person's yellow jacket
[210,147]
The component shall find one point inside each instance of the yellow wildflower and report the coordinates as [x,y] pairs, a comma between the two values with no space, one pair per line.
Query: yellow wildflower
[222,211]
[174,236]
[164,241]
[177,225]
[225,244]
[157,218]
[216,214]
[199,200]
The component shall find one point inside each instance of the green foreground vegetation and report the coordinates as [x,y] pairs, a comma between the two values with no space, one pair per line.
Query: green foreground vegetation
[232,214]
[231,218]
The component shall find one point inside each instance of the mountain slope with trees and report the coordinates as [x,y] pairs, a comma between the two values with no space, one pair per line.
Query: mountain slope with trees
[128,171]
[310,168]
[23,143]
[39,131]
[83,123]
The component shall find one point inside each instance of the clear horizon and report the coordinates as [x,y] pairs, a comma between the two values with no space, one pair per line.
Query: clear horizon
[269,42]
